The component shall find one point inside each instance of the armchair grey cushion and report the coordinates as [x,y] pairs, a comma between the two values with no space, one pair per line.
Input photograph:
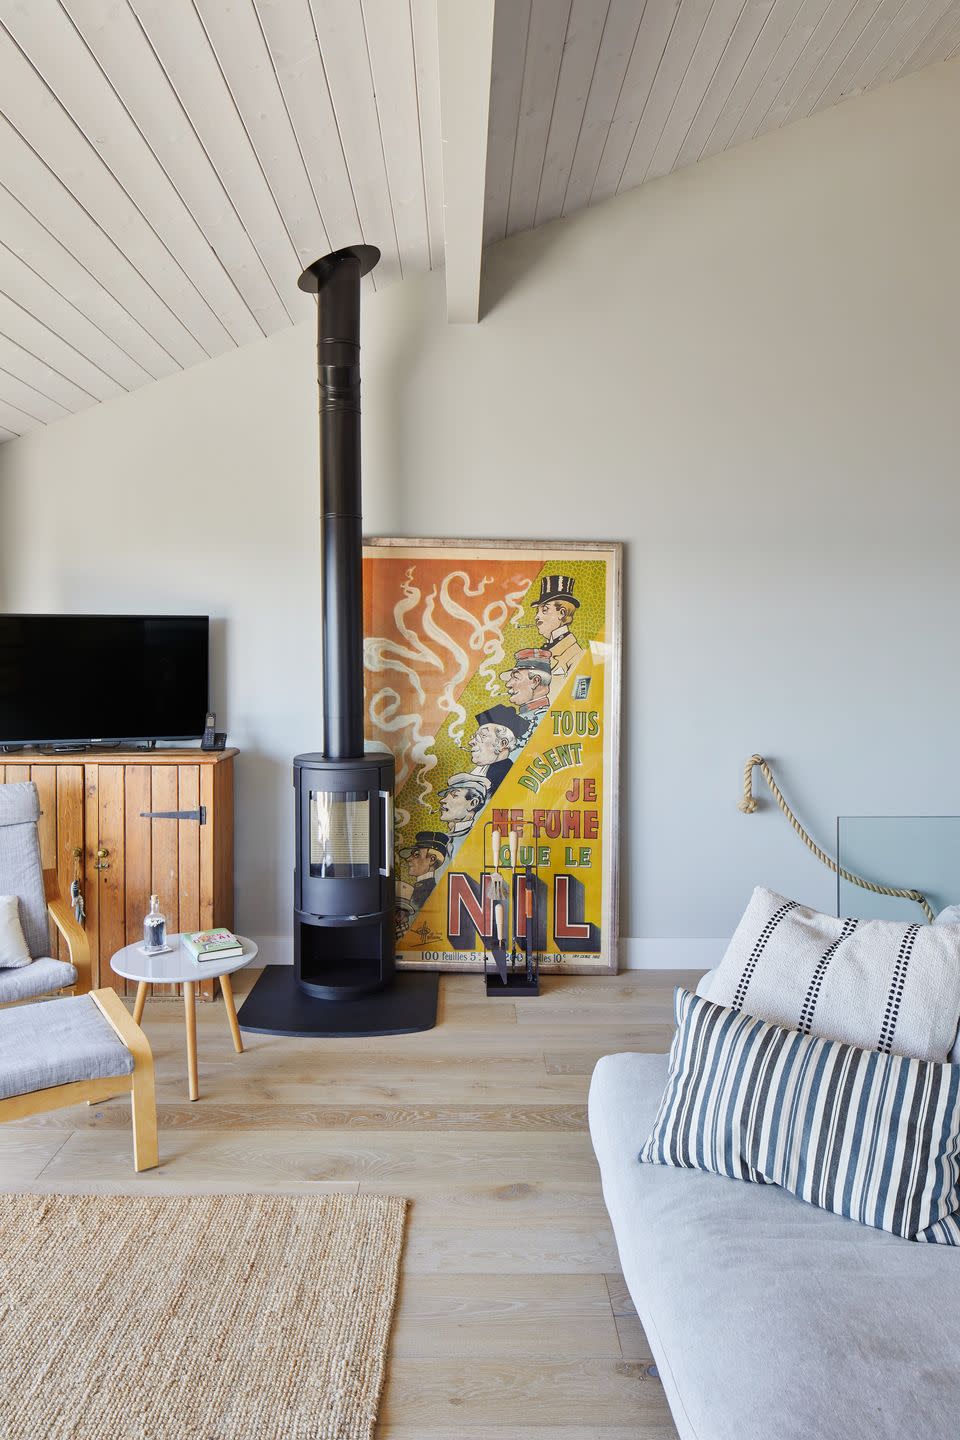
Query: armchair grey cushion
[41,978]
[21,871]
[56,1042]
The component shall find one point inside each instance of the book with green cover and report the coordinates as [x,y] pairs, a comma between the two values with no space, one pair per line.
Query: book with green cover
[212,944]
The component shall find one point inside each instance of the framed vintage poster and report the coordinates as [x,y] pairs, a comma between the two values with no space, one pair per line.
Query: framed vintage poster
[492,671]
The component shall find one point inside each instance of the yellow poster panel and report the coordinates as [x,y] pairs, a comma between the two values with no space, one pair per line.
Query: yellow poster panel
[492,672]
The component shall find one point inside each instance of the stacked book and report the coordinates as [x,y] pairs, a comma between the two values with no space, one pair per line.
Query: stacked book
[212,944]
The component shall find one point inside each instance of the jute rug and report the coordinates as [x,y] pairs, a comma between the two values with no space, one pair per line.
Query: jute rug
[214,1317]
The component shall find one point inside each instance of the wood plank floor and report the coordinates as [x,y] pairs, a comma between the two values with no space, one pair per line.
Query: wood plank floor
[513,1321]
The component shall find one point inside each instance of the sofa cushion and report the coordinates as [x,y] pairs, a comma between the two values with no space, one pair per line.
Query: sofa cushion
[42,977]
[21,870]
[768,1317]
[55,1042]
[874,983]
[14,950]
[871,1136]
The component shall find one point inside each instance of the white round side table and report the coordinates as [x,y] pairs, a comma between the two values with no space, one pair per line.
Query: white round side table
[178,967]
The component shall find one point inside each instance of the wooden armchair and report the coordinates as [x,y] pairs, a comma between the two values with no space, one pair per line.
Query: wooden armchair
[82,1047]
[36,889]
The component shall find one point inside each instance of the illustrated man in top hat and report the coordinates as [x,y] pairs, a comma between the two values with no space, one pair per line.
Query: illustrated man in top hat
[498,731]
[555,609]
[528,686]
[460,801]
[423,859]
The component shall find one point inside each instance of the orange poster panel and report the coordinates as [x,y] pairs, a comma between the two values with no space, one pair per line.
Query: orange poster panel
[492,673]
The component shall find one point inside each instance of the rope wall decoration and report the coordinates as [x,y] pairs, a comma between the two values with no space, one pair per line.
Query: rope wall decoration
[749,804]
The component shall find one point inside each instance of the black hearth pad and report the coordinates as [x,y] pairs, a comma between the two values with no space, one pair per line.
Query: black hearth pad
[277,1006]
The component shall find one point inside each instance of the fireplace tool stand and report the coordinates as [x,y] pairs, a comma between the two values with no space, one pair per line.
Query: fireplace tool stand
[511,966]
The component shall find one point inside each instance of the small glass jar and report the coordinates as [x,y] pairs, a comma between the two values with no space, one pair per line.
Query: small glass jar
[155,928]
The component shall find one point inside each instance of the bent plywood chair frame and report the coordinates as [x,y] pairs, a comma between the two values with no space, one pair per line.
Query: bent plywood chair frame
[78,946]
[139,1084]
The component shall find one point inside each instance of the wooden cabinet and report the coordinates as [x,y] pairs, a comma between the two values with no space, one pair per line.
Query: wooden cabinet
[100,823]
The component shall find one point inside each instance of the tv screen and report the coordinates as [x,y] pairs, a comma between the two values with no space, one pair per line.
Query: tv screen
[74,679]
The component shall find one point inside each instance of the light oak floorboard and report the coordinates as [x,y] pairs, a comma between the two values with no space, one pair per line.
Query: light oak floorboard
[24,1156]
[598,1392]
[451,1430]
[513,1321]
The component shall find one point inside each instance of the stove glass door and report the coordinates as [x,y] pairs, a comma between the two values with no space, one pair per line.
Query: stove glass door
[340,834]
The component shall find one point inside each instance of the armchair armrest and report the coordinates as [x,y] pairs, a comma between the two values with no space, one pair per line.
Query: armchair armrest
[63,917]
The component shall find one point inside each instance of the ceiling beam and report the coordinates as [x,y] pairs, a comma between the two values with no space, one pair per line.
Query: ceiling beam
[465,45]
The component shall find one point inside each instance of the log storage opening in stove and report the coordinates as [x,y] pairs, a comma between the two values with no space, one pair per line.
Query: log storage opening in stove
[344,979]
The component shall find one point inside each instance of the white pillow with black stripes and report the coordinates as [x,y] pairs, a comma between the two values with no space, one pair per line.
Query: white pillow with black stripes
[878,984]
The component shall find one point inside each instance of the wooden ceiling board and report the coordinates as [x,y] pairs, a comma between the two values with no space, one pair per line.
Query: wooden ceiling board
[291,38]
[923,24]
[841,83]
[828,65]
[737,51]
[38,371]
[43,221]
[343,44]
[121,48]
[766,47]
[541,74]
[807,64]
[389,32]
[510,30]
[44,127]
[937,44]
[32,292]
[168,167]
[58,51]
[236,38]
[423,19]
[177,37]
[718,28]
[647,53]
[32,404]
[581,50]
[617,45]
[675,63]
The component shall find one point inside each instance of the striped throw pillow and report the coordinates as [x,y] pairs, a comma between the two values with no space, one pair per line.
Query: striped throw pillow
[876,983]
[868,1135]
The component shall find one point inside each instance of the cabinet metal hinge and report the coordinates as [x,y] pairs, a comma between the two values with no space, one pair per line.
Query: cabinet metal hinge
[199,815]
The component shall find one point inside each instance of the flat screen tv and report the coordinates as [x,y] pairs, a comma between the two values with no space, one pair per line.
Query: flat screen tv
[88,679]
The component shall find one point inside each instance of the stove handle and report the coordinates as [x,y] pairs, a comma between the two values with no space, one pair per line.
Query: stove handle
[387,798]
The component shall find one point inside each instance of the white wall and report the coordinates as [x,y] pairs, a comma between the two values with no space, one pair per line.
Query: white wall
[747,371]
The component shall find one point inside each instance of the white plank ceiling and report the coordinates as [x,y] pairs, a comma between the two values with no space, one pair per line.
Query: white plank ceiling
[168,167]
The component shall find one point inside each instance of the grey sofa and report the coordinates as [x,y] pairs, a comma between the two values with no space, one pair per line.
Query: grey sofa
[769,1319]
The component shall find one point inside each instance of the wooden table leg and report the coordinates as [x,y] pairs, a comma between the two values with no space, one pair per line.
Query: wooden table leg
[190,1007]
[231,1010]
[140,1001]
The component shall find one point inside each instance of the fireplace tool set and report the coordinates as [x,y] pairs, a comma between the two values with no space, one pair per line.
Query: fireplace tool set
[517,910]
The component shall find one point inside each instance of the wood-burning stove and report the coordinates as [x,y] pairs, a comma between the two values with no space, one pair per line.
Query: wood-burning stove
[344,979]
[344,900]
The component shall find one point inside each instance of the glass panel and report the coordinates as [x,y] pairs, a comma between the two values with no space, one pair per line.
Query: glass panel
[911,852]
[340,833]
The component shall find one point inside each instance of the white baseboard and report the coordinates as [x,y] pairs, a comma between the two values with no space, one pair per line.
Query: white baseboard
[670,954]
[635,954]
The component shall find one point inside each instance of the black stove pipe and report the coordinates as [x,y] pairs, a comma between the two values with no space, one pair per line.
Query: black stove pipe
[335,279]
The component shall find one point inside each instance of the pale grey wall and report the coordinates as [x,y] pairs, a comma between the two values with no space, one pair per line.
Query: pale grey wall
[747,372]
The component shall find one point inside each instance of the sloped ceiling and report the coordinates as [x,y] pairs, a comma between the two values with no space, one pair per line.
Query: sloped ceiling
[168,167]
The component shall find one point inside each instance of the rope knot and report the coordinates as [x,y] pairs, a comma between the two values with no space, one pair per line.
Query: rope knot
[748,805]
